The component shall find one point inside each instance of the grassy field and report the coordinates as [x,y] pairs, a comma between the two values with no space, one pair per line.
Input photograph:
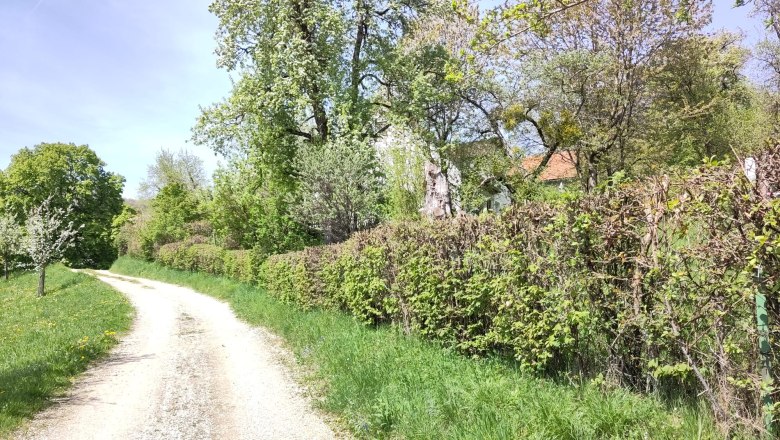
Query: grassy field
[45,342]
[383,384]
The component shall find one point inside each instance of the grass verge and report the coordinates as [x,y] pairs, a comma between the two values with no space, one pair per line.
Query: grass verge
[387,385]
[45,342]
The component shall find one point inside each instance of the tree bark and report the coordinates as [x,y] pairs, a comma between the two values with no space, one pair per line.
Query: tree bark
[41,282]
[438,202]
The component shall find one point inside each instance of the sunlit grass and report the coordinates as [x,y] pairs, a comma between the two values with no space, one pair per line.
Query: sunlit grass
[45,342]
[383,384]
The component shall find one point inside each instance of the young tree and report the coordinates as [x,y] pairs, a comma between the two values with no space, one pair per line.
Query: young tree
[48,234]
[170,167]
[10,238]
[340,189]
[172,209]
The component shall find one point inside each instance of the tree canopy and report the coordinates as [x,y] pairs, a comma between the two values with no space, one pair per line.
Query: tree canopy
[71,176]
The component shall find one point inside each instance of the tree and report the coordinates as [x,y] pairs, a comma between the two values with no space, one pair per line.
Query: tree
[10,238]
[120,228]
[587,69]
[250,210]
[170,167]
[75,180]
[308,73]
[48,235]
[340,188]
[701,105]
[172,209]
[446,94]
[768,54]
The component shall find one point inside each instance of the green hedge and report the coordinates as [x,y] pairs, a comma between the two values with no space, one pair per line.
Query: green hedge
[647,285]
[195,255]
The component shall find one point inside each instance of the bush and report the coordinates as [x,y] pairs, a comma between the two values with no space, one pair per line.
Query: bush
[339,190]
[239,265]
[195,255]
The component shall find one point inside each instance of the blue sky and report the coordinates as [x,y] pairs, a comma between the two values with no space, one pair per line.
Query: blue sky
[124,76]
[127,76]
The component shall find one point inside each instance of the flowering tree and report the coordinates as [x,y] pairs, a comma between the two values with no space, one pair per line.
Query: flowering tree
[48,236]
[10,237]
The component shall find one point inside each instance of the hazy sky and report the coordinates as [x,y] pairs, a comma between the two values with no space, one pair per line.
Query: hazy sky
[126,77]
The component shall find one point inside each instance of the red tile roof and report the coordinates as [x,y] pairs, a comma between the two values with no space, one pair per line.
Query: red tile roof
[560,167]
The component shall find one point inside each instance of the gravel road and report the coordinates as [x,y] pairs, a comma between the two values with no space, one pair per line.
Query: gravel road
[188,369]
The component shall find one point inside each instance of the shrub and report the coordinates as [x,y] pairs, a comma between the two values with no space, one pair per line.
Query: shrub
[239,265]
[340,188]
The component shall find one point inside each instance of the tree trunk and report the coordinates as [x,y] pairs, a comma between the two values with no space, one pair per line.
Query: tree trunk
[438,202]
[5,266]
[41,282]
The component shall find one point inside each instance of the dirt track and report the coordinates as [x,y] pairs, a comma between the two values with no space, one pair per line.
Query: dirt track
[189,369]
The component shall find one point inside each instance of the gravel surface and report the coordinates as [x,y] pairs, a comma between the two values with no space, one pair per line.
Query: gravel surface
[189,369]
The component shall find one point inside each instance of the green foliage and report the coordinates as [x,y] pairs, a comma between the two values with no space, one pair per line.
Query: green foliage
[195,255]
[10,240]
[172,210]
[386,385]
[405,187]
[626,282]
[71,175]
[339,189]
[703,106]
[485,170]
[119,228]
[250,210]
[45,342]
[309,75]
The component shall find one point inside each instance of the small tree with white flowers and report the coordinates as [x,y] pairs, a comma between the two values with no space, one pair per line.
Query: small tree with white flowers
[48,235]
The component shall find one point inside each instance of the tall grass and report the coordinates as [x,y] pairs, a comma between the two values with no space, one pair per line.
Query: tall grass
[45,342]
[384,384]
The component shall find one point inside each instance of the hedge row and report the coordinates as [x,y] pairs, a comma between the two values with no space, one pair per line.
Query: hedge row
[650,285]
[195,255]
[647,285]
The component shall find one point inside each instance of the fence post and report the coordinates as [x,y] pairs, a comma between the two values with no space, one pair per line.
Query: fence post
[762,321]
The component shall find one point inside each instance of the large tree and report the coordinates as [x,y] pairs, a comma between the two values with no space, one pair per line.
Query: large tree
[447,95]
[588,70]
[308,72]
[71,176]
